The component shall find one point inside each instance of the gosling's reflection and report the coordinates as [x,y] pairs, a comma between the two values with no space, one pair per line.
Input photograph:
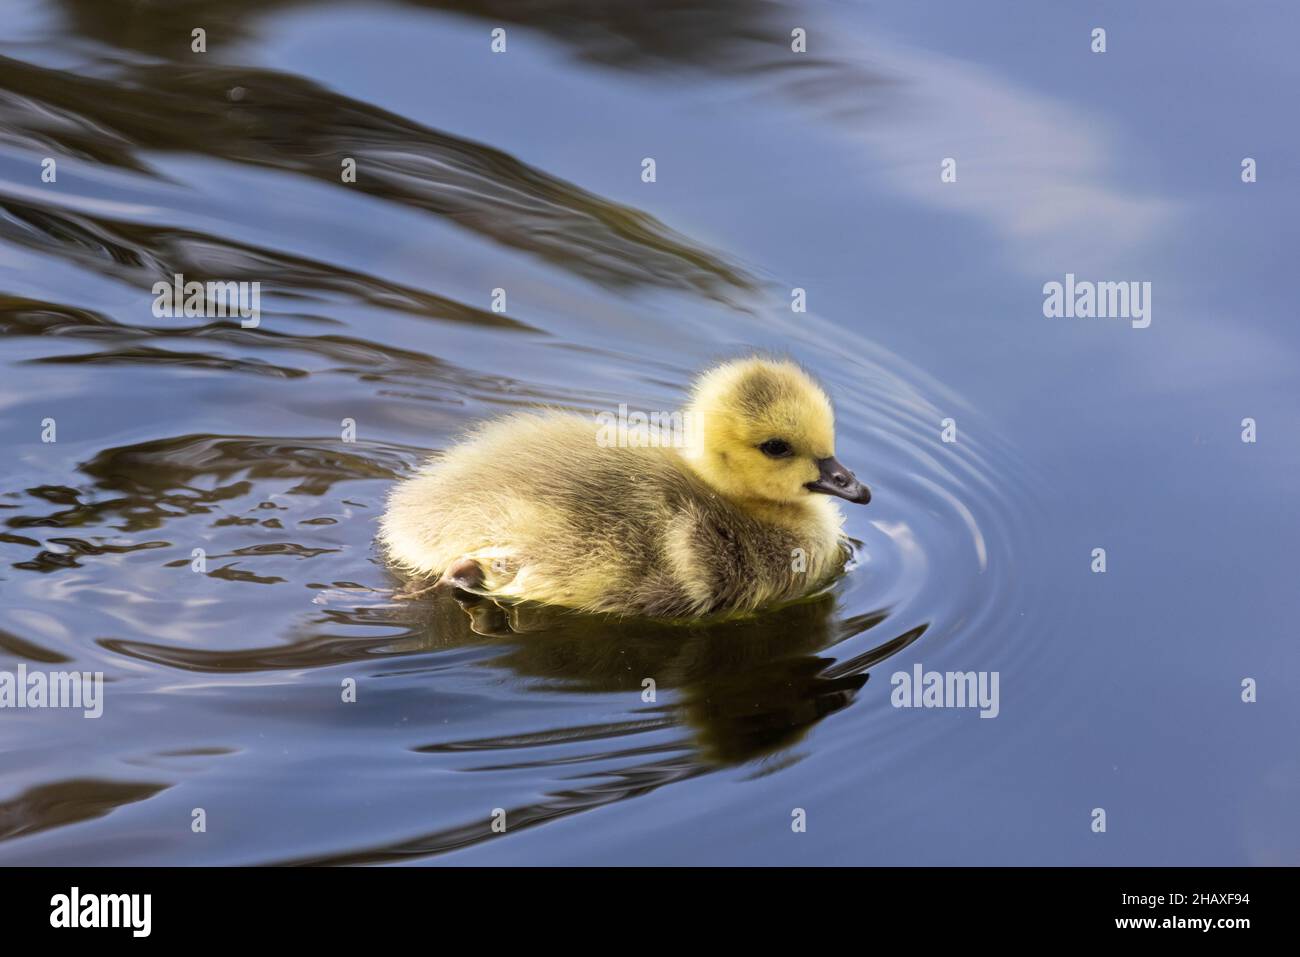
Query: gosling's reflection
[744,688]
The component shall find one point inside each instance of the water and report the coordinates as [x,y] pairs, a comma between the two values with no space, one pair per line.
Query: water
[521,171]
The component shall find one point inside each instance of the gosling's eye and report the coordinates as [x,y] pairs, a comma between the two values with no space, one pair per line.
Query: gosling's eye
[776,448]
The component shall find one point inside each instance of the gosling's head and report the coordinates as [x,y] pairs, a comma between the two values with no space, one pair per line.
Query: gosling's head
[763,429]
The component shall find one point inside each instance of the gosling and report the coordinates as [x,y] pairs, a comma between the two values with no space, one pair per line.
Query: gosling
[730,514]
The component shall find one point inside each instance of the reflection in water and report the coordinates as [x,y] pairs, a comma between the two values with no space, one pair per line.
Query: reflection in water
[153,482]
[144,255]
[286,123]
[207,345]
[721,36]
[68,802]
[745,687]
[743,690]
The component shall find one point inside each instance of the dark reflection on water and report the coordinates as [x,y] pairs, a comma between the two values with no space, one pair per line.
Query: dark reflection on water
[147,255]
[746,688]
[202,529]
[151,483]
[742,690]
[721,36]
[287,123]
[68,802]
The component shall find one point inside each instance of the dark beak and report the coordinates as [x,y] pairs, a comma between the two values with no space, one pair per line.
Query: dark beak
[836,480]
